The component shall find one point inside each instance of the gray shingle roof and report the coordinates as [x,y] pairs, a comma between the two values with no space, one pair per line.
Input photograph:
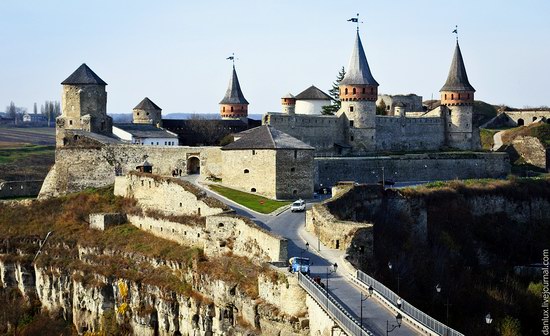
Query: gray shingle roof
[457,80]
[234,95]
[358,72]
[266,137]
[145,131]
[147,104]
[312,93]
[83,76]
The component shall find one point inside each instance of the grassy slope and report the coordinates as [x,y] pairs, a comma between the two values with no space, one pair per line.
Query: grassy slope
[537,130]
[67,218]
[254,202]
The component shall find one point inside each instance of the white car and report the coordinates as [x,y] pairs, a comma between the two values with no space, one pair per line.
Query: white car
[299,205]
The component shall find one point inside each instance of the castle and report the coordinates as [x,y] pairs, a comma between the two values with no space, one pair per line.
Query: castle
[292,153]
[357,130]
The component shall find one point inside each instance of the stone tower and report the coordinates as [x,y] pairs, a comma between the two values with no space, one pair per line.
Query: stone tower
[288,102]
[358,94]
[147,112]
[83,105]
[234,105]
[457,95]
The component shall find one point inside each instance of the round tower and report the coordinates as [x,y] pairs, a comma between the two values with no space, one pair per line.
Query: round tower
[147,112]
[457,96]
[83,105]
[358,95]
[400,109]
[288,102]
[234,105]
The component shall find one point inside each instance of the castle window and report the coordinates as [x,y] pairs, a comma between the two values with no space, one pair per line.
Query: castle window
[452,96]
[295,154]
[346,91]
[449,112]
[292,170]
[449,124]
[246,171]
[253,189]
[351,123]
[445,96]
[371,90]
[70,122]
[354,91]
[468,96]
[138,113]
[223,109]
[459,96]
[364,90]
[231,108]
[294,192]
[351,138]
[351,108]
[147,113]
[253,152]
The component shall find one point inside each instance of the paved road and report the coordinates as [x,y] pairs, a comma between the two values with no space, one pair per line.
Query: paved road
[497,140]
[291,226]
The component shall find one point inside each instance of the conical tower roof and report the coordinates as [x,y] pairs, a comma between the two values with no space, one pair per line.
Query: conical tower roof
[234,95]
[358,72]
[457,79]
[147,104]
[83,76]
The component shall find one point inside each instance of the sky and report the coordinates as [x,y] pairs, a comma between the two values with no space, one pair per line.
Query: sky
[175,51]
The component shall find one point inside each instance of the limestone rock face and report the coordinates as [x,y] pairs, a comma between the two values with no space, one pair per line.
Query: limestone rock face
[91,300]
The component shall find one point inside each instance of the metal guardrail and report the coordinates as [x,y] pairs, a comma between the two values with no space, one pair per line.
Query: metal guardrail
[338,313]
[407,308]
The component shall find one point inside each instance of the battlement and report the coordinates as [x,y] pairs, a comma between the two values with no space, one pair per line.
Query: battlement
[384,120]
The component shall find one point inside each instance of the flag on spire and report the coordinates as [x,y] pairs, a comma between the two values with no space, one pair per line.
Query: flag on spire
[353,20]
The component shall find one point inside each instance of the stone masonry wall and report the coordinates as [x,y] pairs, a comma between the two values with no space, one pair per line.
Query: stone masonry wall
[77,168]
[245,238]
[250,170]
[409,134]
[222,234]
[339,234]
[294,177]
[411,167]
[318,131]
[168,195]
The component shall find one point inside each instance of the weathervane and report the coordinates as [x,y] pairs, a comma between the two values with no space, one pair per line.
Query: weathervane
[456,32]
[232,58]
[356,20]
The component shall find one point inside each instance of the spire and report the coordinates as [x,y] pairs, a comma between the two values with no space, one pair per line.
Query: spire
[83,76]
[457,79]
[234,95]
[358,72]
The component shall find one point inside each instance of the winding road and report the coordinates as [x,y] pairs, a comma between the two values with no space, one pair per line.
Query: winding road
[292,226]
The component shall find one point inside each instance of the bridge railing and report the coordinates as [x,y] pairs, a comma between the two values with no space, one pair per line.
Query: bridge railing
[338,313]
[415,313]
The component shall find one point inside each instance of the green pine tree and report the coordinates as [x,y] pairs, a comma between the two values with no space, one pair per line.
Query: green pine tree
[334,92]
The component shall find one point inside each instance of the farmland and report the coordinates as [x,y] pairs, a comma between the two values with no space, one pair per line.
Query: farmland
[26,153]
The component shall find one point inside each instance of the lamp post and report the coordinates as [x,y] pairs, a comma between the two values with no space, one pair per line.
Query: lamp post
[330,271]
[302,251]
[371,290]
[398,319]
[390,267]
[438,290]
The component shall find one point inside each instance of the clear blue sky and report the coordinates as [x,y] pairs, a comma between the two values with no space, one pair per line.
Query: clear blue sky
[174,51]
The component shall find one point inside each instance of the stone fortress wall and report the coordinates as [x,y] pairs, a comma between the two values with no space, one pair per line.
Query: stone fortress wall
[318,131]
[412,102]
[409,134]
[80,167]
[411,167]
[170,196]
[215,228]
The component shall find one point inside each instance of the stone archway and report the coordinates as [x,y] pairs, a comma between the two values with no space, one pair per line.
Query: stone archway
[521,122]
[193,165]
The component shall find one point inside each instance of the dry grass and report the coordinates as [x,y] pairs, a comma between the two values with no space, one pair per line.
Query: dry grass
[21,227]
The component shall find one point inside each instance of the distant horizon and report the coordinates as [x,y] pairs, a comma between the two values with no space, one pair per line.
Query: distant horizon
[178,58]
